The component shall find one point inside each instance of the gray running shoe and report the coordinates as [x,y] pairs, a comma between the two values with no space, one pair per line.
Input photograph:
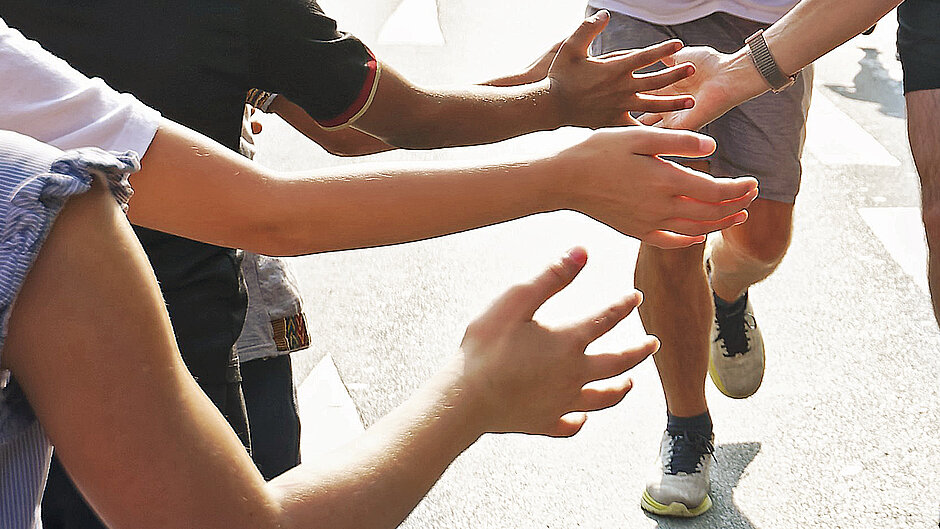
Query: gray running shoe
[736,362]
[680,481]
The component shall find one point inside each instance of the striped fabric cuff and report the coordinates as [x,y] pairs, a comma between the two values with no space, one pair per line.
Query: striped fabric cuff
[260,99]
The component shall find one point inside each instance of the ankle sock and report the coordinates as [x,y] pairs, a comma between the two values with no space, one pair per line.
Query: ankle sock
[700,424]
[725,307]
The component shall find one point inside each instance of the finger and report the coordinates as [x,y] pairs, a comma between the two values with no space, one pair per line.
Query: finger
[648,103]
[600,324]
[580,41]
[653,54]
[612,364]
[695,210]
[612,55]
[706,188]
[568,425]
[593,399]
[698,227]
[650,118]
[647,82]
[522,301]
[663,103]
[671,241]
[664,142]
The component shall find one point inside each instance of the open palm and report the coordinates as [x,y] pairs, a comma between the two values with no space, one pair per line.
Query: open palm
[713,85]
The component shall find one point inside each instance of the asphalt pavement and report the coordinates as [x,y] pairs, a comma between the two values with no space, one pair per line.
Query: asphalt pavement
[843,432]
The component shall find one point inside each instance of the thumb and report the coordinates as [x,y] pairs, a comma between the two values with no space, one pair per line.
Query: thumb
[580,41]
[654,141]
[551,281]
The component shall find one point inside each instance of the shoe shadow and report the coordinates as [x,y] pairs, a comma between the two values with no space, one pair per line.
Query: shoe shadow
[732,460]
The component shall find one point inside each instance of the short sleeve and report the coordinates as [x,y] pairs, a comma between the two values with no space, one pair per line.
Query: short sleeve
[47,99]
[303,56]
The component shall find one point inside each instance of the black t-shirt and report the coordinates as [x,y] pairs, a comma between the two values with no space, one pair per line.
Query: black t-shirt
[194,61]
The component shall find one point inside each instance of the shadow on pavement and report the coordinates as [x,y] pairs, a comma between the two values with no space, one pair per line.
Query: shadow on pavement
[873,83]
[732,460]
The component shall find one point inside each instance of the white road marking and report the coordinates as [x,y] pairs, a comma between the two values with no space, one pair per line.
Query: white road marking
[328,416]
[414,22]
[901,232]
[836,139]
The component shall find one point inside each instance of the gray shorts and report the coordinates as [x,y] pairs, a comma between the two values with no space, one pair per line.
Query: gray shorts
[762,137]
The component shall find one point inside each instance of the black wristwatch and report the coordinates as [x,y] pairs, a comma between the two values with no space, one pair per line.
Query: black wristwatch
[766,65]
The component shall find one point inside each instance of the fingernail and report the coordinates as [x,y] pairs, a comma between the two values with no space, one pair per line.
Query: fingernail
[706,144]
[657,344]
[689,103]
[603,13]
[576,255]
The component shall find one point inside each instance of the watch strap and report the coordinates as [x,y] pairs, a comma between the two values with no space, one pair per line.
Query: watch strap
[766,65]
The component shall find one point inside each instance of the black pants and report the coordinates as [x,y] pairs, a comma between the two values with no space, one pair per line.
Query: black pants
[271,402]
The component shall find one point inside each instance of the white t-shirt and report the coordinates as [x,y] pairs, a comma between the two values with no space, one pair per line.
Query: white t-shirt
[669,12]
[47,99]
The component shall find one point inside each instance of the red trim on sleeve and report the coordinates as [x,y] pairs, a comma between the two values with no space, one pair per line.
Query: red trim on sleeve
[361,100]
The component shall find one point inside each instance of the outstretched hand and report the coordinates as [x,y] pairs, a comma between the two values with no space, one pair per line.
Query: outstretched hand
[602,91]
[620,179]
[530,378]
[720,82]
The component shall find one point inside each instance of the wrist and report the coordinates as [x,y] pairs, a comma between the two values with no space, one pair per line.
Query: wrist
[556,109]
[743,75]
[557,175]
[463,395]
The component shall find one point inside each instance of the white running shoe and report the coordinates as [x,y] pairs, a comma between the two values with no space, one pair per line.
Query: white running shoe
[736,362]
[680,482]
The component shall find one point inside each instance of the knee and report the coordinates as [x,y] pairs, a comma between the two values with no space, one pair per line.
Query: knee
[761,248]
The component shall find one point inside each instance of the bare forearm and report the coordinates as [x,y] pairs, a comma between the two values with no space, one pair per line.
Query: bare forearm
[374,206]
[815,27]
[414,117]
[387,471]
[216,196]
[809,31]
[723,81]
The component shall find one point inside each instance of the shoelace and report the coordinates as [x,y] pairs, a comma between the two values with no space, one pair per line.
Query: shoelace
[732,331]
[686,452]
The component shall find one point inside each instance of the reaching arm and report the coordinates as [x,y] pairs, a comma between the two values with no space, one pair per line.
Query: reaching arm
[193,187]
[148,450]
[577,90]
[807,32]
[562,87]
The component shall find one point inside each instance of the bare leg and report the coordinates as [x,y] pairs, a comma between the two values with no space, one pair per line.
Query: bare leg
[748,253]
[923,116]
[678,307]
